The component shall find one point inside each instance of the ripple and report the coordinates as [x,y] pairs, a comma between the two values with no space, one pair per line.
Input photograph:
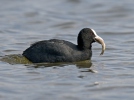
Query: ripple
[65,25]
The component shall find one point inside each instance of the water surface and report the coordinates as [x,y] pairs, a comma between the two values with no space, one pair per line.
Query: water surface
[107,77]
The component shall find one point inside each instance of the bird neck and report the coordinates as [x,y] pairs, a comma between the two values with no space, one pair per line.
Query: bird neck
[83,43]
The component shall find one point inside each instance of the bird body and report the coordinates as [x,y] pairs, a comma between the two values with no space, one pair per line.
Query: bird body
[55,50]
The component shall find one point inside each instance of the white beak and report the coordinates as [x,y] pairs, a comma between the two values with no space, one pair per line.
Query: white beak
[99,40]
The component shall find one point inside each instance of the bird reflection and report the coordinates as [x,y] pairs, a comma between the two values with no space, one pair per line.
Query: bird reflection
[84,66]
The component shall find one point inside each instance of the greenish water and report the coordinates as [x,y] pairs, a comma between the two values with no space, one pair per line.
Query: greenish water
[15,59]
[107,77]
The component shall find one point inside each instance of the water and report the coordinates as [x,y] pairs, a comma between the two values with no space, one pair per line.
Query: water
[107,77]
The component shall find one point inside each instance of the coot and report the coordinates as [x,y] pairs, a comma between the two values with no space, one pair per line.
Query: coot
[55,50]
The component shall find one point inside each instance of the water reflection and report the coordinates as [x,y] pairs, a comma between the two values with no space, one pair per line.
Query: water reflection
[79,65]
[19,59]
[84,66]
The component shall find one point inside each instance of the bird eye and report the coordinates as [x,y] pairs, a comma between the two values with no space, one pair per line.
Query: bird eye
[92,34]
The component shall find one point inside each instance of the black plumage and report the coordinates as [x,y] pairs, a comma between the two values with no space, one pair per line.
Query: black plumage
[55,50]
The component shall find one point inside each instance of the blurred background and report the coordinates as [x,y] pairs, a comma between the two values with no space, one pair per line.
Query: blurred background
[23,22]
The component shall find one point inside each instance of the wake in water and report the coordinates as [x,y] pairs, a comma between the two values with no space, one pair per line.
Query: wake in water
[20,59]
[15,59]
